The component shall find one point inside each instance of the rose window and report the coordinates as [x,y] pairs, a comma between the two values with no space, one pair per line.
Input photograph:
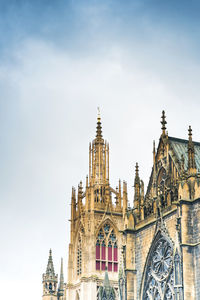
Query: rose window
[159,279]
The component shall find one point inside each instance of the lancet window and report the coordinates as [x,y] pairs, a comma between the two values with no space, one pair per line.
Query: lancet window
[106,249]
[79,256]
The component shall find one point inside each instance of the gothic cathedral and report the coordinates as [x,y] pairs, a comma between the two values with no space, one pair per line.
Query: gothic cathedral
[148,252]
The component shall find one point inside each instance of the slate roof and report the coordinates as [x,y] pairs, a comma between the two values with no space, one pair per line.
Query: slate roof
[180,148]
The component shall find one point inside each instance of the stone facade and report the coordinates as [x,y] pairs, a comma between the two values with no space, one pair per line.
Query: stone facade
[151,251]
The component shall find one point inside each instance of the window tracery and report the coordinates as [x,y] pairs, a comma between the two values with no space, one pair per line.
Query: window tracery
[106,249]
[159,277]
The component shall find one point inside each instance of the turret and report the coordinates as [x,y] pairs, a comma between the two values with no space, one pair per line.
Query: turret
[50,280]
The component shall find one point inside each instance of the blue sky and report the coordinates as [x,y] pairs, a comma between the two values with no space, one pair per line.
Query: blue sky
[59,61]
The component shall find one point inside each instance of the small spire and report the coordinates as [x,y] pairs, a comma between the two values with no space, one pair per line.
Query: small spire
[49,277]
[163,122]
[99,128]
[61,283]
[50,267]
[191,153]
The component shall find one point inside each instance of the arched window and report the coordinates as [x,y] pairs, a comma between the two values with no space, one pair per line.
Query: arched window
[158,281]
[106,249]
[79,256]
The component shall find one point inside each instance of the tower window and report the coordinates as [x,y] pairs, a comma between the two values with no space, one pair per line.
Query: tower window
[106,249]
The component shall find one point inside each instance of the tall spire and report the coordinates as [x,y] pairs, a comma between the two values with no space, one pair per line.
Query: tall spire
[99,128]
[163,122]
[99,158]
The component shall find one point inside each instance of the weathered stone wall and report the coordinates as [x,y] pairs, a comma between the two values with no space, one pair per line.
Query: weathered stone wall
[195,248]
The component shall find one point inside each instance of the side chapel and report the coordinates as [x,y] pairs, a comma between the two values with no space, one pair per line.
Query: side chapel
[148,252]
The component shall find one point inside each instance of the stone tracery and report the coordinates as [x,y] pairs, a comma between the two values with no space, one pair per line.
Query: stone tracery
[106,249]
[159,278]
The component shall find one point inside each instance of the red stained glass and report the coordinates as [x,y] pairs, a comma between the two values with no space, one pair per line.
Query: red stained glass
[97,252]
[109,252]
[109,266]
[97,265]
[115,254]
[103,252]
[115,267]
[103,266]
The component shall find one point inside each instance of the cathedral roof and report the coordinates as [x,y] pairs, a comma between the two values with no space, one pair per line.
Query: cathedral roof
[180,147]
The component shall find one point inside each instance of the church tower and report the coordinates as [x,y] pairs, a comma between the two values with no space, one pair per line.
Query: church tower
[50,280]
[97,214]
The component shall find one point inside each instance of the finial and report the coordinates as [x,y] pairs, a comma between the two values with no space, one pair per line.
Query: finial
[154,147]
[99,130]
[163,122]
[99,115]
[136,170]
[190,133]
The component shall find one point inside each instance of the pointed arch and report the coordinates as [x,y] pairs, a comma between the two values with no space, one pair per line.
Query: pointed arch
[79,228]
[107,246]
[158,276]
[107,220]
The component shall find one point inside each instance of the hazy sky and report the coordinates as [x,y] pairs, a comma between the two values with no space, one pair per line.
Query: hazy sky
[59,60]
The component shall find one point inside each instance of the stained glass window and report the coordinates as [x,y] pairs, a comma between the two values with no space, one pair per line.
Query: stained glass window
[106,249]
